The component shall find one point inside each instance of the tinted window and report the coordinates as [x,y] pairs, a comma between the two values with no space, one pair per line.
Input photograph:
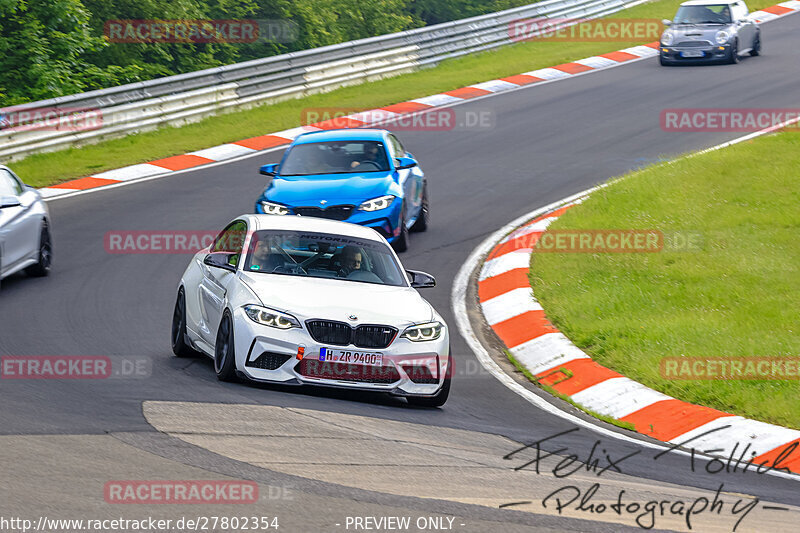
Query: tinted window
[335,157]
[9,186]
[711,14]
[323,255]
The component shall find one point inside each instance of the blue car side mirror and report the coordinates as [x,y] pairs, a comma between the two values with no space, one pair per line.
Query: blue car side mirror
[404,162]
[269,170]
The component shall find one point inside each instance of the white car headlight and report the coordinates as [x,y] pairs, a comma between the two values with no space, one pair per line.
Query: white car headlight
[274,209]
[722,37]
[271,317]
[424,332]
[377,204]
[667,37]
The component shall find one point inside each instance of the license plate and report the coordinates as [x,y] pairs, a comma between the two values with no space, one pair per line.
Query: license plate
[693,53]
[351,357]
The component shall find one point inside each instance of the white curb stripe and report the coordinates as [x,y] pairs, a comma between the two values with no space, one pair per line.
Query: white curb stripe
[617,397]
[597,62]
[548,73]
[437,100]
[506,262]
[131,172]
[495,86]
[536,227]
[509,305]
[546,352]
[223,151]
[761,436]
[374,115]
[292,133]
[641,51]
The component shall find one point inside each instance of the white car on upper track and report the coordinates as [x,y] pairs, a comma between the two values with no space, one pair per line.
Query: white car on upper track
[301,300]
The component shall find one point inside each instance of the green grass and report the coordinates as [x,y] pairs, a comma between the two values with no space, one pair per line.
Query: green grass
[45,169]
[735,296]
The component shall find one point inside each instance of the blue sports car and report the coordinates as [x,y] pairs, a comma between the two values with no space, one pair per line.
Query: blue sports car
[363,176]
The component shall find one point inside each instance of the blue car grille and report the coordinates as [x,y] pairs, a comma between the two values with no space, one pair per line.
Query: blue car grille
[334,212]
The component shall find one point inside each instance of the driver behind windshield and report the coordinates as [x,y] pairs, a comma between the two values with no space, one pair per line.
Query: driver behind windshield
[262,258]
[350,261]
[373,157]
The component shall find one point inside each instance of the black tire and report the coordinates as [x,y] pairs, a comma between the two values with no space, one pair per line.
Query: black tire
[734,55]
[179,345]
[400,244]
[756,51]
[421,224]
[224,352]
[42,266]
[437,400]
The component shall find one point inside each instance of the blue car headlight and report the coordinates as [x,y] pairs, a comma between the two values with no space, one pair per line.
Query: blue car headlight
[376,204]
[274,209]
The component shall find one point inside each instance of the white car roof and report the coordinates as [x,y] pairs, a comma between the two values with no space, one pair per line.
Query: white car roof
[708,3]
[295,223]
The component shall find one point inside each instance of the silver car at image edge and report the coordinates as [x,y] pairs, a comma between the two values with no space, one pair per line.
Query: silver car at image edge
[304,300]
[705,31]
[25,238]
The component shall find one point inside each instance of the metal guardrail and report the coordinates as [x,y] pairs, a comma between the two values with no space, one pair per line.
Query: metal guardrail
[190,97]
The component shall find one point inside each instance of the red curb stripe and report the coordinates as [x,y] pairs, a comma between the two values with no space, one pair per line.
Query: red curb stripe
[654,44]
[523,328]
[262,142]
[572,68]
[790,461]
[84,183]
[406,107]
[338,123]
[777,10]
[667,419]
[522,79]
[503,283]
[585,373]
[619,56]
[467,92]
[180,162]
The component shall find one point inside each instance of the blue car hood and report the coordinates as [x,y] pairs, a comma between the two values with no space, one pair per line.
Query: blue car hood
[333,188]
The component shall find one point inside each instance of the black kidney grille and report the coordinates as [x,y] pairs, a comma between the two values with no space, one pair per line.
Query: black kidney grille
[330,332]
[334,212]
[374,336]
[269,361]
[341,334]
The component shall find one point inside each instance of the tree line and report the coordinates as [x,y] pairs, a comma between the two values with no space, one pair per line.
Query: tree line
[52,48]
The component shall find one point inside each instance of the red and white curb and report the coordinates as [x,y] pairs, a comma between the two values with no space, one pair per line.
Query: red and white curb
[511,310]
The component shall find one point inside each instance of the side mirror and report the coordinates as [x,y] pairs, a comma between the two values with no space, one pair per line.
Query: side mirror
[222,260]
[9,201]
[269,170]
[666,22]
[421,280]
[404,162]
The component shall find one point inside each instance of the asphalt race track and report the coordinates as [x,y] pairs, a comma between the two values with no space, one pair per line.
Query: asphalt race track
[546,142]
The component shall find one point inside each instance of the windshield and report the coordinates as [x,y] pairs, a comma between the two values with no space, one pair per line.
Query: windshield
[335,157]
[713,14]
[323,255]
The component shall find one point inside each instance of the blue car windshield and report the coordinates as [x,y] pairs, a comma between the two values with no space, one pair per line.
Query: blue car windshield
[335,157]
[711,14]
[323,255]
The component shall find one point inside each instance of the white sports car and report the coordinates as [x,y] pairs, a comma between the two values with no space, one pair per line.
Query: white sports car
[299,300]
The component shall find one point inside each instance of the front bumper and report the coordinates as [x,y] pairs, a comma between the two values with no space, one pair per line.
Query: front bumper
[270,355]
[677,54]
[385,221]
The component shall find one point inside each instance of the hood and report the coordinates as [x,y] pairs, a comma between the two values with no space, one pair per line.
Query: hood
[334,188]
[333,299]
[698,32]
